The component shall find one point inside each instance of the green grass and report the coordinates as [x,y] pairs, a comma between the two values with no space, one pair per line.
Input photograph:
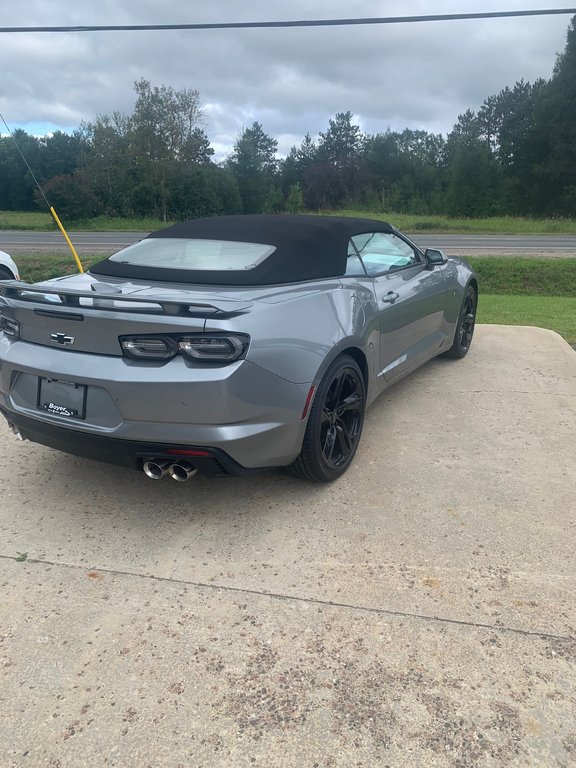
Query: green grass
[498,225]
[44,221]
[109,224]
[407,222]
[35,267]
[517,291]
[26,220]
[521,276]
[558,313]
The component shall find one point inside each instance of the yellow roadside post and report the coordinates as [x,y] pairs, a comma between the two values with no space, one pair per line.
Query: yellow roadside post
[61,228]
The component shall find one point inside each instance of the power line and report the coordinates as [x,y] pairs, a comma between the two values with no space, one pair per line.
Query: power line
[287,24]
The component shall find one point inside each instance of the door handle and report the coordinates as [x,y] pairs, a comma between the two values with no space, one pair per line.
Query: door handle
[390,297]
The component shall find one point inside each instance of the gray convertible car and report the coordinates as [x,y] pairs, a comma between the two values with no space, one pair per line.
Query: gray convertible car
[231,344]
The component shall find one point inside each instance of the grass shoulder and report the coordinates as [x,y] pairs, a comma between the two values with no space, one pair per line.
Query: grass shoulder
[36,267]
[417,224]
[525,276]
[41,221]
[557,313]
[497,225]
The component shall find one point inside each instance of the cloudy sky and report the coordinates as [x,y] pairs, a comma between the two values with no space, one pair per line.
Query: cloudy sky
[291,80]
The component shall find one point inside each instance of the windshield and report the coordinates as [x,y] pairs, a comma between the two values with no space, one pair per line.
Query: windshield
[180,253]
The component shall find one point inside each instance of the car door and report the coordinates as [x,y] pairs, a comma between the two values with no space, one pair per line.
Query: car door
[411,299]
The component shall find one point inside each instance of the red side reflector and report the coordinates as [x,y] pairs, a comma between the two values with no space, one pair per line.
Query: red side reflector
[188,452]
[308,401]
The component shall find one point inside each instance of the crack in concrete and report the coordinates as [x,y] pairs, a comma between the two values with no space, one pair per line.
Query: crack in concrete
[301,599]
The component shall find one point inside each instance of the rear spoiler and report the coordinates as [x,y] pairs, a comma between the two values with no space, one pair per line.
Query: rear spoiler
[104,296]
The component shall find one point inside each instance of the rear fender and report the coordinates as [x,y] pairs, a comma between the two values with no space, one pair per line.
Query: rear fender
[299,338]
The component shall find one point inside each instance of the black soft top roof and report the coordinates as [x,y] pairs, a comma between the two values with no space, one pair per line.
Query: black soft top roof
[306,248]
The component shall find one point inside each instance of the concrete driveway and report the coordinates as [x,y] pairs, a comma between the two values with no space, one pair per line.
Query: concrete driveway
[418,612]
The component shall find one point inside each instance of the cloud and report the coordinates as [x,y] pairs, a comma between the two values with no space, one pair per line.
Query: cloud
[292,81]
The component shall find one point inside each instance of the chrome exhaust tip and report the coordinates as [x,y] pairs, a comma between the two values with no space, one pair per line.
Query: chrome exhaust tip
[182,471]
[156,469]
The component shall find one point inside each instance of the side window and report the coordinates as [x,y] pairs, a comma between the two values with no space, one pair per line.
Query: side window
[354,266]
[383,252]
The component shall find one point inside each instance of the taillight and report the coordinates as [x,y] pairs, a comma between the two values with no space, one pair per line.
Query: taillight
[9,326]
[219,349]
[201,348]
[149,347]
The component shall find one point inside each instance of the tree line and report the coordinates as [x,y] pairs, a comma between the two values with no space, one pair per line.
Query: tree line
[515,155]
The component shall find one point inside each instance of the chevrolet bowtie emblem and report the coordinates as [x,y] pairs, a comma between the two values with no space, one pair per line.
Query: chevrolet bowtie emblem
[62,339]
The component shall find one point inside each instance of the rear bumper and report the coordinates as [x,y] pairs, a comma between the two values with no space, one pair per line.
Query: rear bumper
[132,412]
[127,453]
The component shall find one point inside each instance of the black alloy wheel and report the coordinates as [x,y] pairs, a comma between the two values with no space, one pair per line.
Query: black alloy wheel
[465,327]
[5,274]
[334,425]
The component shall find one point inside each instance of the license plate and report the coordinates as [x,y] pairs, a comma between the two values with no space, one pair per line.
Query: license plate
[62,398]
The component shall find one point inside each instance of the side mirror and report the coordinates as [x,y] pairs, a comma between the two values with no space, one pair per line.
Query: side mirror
[434,257]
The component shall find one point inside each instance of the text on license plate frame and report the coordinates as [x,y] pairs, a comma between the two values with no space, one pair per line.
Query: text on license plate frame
[62,398]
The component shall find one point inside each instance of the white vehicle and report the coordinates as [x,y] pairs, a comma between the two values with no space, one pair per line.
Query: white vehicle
[8,269]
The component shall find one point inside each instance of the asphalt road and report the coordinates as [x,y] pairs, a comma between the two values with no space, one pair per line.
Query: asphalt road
[15,242]
[417,612]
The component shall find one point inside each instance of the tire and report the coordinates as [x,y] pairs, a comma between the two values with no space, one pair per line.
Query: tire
[465,328]
[5,274]
[334,425]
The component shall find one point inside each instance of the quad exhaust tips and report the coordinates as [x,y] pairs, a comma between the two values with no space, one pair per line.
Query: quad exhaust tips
[181,471]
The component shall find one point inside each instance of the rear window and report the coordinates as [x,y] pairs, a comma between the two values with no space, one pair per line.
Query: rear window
[179,253]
